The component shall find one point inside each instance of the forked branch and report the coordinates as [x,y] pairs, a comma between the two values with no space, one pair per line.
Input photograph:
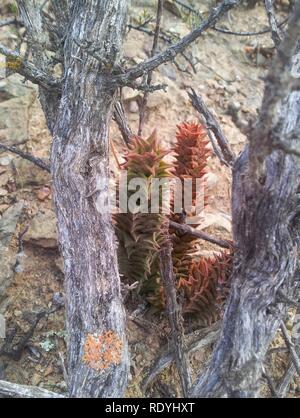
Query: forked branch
[170,53]
[222,147]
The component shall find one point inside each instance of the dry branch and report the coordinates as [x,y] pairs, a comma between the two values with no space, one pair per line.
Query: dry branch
[270,382]
[226,31]
[194,342]
[224,152]
[35,160]
[174,312]
[291,347]
[32,73]
[170,53]
[120,119]
[272,22]
[186,229]
[13,390]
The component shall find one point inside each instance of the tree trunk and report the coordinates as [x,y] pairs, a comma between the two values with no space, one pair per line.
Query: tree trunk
[92,35]
[80,157]
[266,226]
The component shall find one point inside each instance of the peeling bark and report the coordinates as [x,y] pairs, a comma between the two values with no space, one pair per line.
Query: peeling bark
[266,221]
[79,157]
[78,117]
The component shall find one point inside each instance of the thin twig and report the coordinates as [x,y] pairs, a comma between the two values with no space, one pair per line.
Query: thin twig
[213,125]
[166,38]
[160,6]
[15,351]
[186,229]
[275,35]
[258,33]
[174,311]
[291,371]
[145,87]
[270,382]
[35,160]
[197,341]
[229,32]
[120,119]
[291,347]
[20,65]
[170,53]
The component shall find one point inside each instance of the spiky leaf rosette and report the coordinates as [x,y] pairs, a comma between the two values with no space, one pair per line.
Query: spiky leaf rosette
[191,155]
[140,234]
[206,290]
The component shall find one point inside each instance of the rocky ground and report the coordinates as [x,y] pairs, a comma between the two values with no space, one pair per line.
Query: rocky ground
[228,75]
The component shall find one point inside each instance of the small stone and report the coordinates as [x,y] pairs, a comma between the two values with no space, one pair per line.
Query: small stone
[133,107]
[138,359]
[17,313]
[261,60]
[42,230]
[3,192]
[198,356]
[234,106]
[212,84]
[168,71]
[129,94]
[62,385]
[43,193]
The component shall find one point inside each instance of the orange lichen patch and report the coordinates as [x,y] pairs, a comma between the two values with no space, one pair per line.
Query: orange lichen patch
[103,351]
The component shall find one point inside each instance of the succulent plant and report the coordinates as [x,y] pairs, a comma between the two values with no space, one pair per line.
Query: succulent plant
[202,282]
[206,289]
[140,234]
[191,155]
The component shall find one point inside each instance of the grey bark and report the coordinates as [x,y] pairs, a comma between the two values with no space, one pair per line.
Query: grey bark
[80,155]
[266,221]
[13,390]
[173,310]
[78,118]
